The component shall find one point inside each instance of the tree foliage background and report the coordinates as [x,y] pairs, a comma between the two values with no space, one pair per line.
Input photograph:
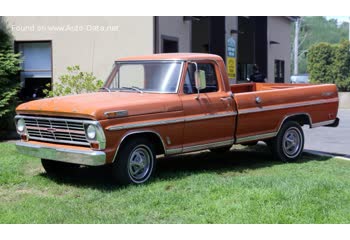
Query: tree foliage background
[315,30]
[9,80]
[330,63]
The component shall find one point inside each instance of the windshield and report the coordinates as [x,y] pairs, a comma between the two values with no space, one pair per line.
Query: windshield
[147,76]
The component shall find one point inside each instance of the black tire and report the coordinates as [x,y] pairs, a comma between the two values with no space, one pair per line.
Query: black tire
[135,162]
[55,168]
[288,145]
[220,150]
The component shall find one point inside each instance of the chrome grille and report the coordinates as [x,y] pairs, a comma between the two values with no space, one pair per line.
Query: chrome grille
[56,130]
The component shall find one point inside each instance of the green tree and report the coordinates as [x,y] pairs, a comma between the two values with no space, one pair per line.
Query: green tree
[75,82]
[330,63]
[316,30]
[9,81]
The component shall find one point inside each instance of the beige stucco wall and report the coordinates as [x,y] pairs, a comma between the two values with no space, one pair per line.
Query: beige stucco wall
[174,26]
[83,41]
[231,23]
[278,30]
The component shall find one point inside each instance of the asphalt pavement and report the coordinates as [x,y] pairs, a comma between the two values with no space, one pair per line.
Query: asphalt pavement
[335,141]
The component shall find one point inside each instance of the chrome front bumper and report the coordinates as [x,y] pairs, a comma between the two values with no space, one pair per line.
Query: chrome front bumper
[82,157]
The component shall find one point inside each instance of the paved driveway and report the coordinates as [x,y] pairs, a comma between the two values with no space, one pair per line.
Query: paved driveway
[330,140]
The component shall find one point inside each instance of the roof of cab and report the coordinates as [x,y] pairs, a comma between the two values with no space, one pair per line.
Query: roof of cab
[173,56]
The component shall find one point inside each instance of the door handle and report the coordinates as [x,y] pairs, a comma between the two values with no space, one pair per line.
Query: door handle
[226,98]
[230,97]
[258,100]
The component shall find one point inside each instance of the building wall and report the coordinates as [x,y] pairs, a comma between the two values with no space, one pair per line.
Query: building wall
[279,30]
[231,23]
[92,48]
[174,26]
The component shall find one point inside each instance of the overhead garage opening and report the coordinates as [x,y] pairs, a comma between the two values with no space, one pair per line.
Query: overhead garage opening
[36,68]
[208,35]
[252,46]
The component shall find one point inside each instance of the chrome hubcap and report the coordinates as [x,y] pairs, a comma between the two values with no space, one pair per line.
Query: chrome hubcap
[140,162]
[292,142]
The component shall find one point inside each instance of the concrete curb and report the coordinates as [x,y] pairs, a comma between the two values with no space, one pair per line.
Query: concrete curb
[327,154]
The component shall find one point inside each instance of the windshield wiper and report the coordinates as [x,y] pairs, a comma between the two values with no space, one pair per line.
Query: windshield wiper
[133,88]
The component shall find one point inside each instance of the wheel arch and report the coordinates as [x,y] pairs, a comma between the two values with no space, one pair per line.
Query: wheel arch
[301,118]
[151,135]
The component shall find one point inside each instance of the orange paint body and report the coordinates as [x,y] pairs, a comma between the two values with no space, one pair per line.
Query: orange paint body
[185,123]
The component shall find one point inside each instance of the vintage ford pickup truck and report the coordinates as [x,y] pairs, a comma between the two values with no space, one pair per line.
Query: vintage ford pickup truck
[166,104]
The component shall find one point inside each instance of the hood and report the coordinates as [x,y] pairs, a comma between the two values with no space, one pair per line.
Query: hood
[94,105]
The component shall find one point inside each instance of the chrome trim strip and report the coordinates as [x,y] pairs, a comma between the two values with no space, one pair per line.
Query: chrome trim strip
[256,137]
[211,116]
[173,151]
[284,106]
[208,146]
[295,115]
[320,124]
[171,121]
[82,157]
[137,132]
[199,147]
[119,113]
[147,124]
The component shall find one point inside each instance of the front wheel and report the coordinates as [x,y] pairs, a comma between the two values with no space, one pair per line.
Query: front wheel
[135,162]
[288,145]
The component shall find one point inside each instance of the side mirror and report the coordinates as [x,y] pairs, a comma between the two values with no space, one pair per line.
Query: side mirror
[200,80]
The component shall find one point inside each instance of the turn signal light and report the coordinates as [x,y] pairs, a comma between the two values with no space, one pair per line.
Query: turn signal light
[95,145]
[24,137]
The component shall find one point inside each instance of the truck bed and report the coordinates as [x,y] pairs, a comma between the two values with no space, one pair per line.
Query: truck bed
[260,107]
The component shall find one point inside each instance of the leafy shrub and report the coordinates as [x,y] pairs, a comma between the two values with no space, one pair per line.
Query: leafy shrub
[330,63]
[9,80]
[75,82]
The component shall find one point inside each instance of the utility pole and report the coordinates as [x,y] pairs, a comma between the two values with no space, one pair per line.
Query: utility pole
[296,46]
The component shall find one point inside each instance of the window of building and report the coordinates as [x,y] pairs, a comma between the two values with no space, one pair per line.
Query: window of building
[36,68]
[279,71]
[170,44]
[210,76]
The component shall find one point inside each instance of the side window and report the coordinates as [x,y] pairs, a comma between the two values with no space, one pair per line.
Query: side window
[210,76]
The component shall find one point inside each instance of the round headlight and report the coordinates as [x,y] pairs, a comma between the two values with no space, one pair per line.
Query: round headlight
[91,132]
[21,125]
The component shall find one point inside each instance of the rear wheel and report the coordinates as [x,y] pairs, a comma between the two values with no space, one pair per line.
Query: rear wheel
[288,145]
[55,168]
[135,162]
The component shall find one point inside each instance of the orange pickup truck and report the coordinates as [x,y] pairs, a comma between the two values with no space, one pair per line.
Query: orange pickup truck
[166,104]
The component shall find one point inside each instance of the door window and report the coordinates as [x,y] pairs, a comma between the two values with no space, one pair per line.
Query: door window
[210,76]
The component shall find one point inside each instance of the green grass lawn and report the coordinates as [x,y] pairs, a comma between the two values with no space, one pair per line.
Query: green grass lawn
[241,186]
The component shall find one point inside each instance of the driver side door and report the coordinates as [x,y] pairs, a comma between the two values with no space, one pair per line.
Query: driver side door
[209,117]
